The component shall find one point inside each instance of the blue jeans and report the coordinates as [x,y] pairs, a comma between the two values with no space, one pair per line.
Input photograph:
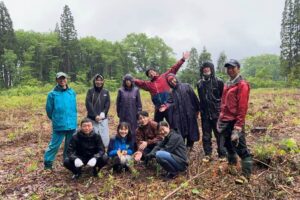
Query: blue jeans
[169,164]
[56,140]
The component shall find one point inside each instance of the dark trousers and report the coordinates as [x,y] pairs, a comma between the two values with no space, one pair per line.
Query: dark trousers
[101,162]
[209,126]
[232,147]
[188,142]
[116,164]
[159,116]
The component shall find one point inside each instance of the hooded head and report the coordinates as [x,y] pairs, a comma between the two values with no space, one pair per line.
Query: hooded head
[128,81]
[207,70]
[98,81]
[172,80]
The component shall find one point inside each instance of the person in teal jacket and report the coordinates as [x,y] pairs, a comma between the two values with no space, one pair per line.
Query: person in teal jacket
[62,111]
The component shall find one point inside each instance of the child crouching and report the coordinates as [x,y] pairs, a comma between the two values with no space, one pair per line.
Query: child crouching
[121,147]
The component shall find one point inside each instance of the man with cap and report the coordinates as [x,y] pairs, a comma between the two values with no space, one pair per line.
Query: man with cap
[210,89]
[158,86]
[234,105]
[62,111]
[97,104]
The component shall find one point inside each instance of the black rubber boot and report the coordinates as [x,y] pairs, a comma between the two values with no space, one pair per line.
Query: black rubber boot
[247,167]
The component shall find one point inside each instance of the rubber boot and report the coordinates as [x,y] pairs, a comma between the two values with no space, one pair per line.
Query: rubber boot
[247,167]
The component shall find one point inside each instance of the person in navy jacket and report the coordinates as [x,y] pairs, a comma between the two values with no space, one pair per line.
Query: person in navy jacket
[129,103]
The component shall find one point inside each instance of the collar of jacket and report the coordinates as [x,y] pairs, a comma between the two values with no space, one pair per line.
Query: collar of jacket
[83,135]
[60,89]
[237,79]
[98,89]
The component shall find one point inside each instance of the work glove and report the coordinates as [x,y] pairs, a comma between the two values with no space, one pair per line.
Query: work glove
[78,162]
[123,160]
[221,126]
[92,162]
[102,115]
[235,136]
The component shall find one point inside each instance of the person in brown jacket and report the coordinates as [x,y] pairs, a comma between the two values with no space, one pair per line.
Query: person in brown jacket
[147,135]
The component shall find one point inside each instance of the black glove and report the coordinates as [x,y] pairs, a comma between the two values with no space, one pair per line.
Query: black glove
[235,136]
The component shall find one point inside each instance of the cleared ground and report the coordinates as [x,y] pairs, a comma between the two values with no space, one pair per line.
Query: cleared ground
[273,117]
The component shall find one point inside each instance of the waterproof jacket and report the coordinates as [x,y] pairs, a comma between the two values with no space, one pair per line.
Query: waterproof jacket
[148,133]
[210,94]
[61,108]
[128,104]
[118,143]
[85,146]
[183,106]
[97,101]
[174,144]
[158,86]
[235,99]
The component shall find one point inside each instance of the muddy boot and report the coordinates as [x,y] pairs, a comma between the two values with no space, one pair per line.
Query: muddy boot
[247,167]
[246,171]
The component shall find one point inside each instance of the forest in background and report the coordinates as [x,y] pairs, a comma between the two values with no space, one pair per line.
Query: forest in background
[31,59]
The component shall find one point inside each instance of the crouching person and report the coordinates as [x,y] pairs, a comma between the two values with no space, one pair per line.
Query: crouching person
[121,147]
[171,152]
[147,135]
[86,148]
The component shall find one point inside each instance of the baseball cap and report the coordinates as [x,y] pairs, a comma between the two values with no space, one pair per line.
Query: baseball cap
[60,74]
[232,62]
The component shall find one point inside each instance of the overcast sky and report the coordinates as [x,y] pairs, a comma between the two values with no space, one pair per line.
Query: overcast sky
[241,28]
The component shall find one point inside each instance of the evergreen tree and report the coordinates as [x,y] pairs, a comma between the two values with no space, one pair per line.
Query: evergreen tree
[69,43]
[287,34]
[204,56]
[221,62]
[297,32]
[7,45]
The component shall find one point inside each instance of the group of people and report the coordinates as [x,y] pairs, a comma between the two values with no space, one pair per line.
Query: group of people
[168,137]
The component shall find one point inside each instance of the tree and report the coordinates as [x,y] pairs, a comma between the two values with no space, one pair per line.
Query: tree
[144,51]
[221,62]
[204,56]
[69,43]
[7,45]
[287,34]
[191,73]
[296,52]
[265,67]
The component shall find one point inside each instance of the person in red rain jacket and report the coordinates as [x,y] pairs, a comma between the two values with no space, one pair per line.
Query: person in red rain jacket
[234,105]
[159,88]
